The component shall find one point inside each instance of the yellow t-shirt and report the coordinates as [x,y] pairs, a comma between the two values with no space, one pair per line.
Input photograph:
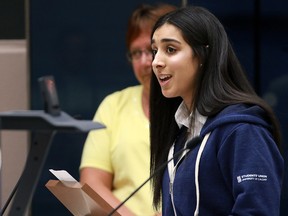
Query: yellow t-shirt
[123,148]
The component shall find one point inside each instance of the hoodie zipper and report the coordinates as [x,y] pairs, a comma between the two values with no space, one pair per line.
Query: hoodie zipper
[172,172]
[171,191]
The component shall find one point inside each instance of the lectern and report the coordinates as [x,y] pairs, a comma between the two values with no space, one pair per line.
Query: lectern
[44,126]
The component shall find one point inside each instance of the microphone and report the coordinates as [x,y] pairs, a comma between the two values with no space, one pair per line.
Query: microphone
[50,96]
[190,145]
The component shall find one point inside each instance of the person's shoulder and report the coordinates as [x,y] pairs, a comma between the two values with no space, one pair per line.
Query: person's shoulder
[130,90]
[123,95]
[237,114]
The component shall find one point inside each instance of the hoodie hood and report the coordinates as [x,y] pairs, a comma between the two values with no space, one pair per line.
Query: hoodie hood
[240,113]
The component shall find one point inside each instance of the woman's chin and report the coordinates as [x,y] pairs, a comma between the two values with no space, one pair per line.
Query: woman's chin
[168,94]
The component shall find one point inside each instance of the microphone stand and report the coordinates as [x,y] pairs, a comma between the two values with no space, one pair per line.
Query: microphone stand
[190,145]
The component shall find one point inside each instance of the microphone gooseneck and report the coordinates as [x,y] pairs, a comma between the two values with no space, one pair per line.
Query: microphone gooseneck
[190,145]
[193,143]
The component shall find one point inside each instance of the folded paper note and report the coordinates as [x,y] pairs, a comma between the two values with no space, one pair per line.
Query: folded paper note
[80,200]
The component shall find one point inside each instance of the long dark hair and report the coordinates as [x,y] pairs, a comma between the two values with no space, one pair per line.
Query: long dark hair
[221,81]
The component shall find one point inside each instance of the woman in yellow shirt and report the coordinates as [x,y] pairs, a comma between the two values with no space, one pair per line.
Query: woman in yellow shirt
[116,160]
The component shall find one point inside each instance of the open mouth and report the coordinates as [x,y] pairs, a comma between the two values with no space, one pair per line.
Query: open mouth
[164,78]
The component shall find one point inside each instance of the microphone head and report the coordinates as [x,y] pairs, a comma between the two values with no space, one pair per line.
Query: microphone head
[194,142]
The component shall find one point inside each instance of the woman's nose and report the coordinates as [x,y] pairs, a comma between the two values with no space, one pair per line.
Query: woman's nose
[157,62]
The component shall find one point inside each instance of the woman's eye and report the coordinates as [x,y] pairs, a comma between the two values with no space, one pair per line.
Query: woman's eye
[136,53]
[170,50]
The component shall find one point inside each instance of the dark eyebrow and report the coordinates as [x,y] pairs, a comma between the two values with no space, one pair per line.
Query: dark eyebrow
[166,40]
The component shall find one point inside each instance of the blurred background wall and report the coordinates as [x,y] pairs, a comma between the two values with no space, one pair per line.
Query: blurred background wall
[82,44]
[14,92]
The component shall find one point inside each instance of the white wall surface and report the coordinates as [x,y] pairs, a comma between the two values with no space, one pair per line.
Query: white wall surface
[14,95]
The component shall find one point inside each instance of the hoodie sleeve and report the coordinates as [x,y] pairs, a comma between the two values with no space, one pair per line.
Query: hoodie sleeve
[252,167]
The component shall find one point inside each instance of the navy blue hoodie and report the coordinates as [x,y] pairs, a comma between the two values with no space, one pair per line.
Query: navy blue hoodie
[240,171]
